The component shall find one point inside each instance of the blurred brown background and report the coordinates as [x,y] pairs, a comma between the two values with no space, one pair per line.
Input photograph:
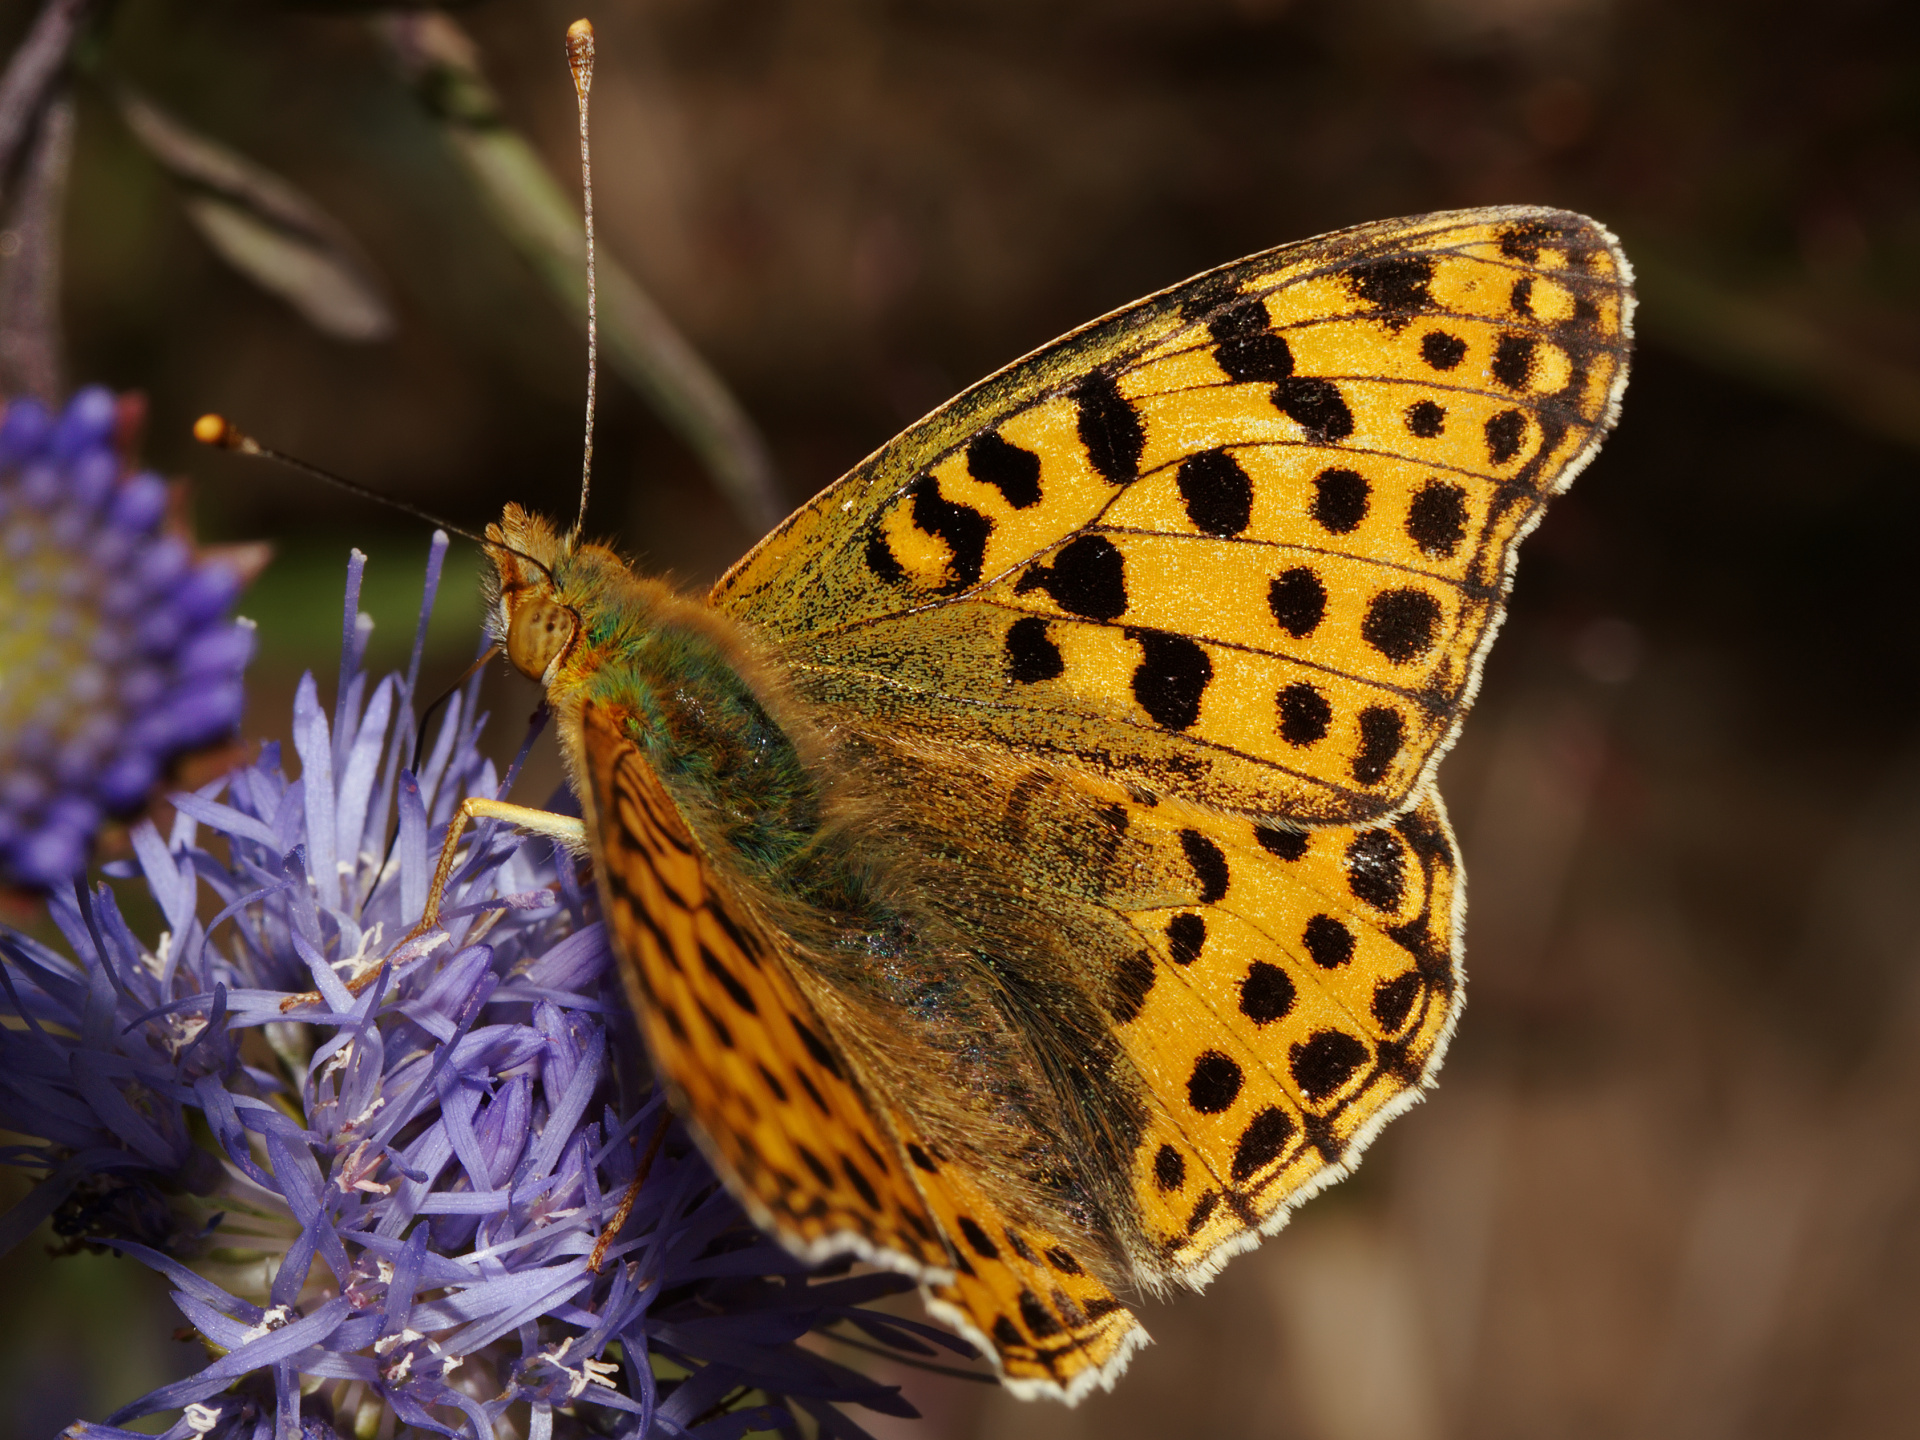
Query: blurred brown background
[1670,1183]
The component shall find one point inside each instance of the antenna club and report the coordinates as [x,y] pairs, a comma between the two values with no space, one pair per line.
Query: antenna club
[217,430]
[580,55]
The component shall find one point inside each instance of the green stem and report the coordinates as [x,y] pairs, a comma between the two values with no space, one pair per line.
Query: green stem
[32,71]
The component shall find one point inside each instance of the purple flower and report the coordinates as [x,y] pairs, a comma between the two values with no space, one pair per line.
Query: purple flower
[380,1179]
[117,653]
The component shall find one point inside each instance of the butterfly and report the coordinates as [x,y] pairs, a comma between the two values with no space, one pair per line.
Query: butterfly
[1025,864]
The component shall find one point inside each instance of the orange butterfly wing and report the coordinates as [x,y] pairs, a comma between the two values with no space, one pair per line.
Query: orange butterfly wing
[746,1054]
[785,1118]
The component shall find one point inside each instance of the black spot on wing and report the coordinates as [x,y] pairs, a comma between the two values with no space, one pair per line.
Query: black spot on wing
[1339,501]
[1014,472]
[1426,419]
[1039,1319]
[978,1238]
[1131,982]
[1437,519]
[1260,1143]
[1316,406]
[1395,285]
[1377,869]
[1329,943]
[1393,1000]
[1209,864]
[1506,433]
[1109,428]
[815,1165]
[1088,577]
[1203,1211]
[857,1178]
[1218,494]
[964,529]
[1279,843]
[817,1048]
[1171,678]
[675,1025]
[736,992]
[720,1031]
[1441,350]
[880,559]
[1382,736]
[1402,624]
[1214,1084]
[1169,1168]
[1266,993]
[747,942]
[1246,347]
[1305,714]
[1031,656]
[1513,361]
[1186,933]
[1326,1061]
[1298,601]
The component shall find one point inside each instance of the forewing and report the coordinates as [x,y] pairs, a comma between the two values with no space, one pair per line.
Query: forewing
[1243,543]
[744,1053]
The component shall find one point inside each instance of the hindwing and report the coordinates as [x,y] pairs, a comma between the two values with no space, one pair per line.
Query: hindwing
[1266,997]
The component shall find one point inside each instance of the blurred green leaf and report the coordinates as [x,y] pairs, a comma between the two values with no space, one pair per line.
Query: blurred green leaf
[265,228]
[442,64]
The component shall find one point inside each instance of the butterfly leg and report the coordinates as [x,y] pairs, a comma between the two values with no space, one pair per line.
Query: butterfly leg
[565,828]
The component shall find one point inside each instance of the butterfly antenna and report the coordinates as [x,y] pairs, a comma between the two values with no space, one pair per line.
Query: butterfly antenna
[222,434]
[580,62]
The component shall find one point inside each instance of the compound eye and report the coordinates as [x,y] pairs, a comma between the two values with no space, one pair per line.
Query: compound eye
[539,632]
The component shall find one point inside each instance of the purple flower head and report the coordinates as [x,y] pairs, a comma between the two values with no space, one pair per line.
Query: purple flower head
[396,1183]
[117,649]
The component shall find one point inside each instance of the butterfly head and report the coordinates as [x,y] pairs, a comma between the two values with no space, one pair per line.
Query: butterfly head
[529,609]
